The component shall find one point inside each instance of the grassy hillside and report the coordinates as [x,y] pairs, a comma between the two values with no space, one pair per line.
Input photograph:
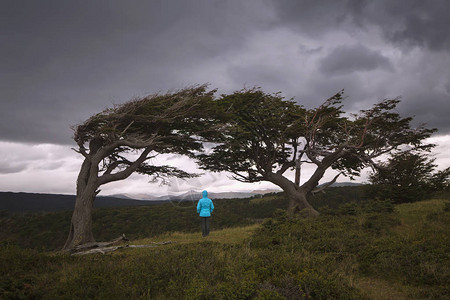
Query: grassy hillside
[48,231]
[370,250]
[31,202]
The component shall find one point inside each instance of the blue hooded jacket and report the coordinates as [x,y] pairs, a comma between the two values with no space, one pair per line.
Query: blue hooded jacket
[205,206]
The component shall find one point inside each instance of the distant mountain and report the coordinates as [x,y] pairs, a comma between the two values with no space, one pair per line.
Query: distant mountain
[263,192]
[191,195]
[346,184]
[21,202]
[195,195]
[33,202]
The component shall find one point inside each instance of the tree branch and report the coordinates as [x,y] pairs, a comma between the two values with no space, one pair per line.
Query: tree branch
[326,185]
[285,167]
[105,178]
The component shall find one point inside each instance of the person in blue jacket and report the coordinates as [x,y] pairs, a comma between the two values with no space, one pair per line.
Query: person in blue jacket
[205,207]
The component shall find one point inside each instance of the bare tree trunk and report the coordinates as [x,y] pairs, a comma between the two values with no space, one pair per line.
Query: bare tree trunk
[81,224]
[299,203]
[296,195]
[88,182]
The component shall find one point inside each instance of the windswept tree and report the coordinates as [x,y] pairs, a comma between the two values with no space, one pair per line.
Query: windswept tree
[266,136]
[123,139]
[408,177]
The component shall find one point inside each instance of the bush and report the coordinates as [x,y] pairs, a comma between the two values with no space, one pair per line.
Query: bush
[379,206]
[447,206]
[348,209]
[380,223]
[419,260]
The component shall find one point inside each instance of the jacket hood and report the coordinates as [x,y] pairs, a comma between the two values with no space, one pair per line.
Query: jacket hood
[205,194]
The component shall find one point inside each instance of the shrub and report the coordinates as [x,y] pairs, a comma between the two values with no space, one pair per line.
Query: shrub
[380,223]
[447,206]
[348,209]
[379,206]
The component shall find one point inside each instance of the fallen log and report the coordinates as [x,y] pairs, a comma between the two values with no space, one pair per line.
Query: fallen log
[92,245]
[107,249]
[102,250]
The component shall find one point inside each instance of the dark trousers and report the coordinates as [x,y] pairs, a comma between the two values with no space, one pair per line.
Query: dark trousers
[205,226]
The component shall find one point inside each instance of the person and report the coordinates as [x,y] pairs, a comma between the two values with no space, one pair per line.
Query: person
[205,207]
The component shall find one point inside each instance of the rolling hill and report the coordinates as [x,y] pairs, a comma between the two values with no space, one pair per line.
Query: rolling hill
[22,202]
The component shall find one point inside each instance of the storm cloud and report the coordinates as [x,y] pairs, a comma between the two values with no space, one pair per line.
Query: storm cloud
[62,61]
[347,59]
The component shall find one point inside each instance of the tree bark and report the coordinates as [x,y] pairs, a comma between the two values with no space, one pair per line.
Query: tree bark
[296,195]
[80,231]
[87,184]
[81,222]
[298,166]
[298,203]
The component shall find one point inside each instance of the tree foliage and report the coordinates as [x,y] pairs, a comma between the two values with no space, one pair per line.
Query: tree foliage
[407,177]
[161,123]
[267,135]
[121,140]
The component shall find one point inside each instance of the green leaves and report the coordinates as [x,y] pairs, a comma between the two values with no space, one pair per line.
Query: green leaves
[408,177]
[264,135]
[258,130]
[175,122]
[170,116]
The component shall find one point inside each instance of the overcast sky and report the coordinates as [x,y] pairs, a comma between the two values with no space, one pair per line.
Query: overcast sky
[62,61]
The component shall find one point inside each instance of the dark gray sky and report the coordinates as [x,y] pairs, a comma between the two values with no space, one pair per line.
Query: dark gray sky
[62,61]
